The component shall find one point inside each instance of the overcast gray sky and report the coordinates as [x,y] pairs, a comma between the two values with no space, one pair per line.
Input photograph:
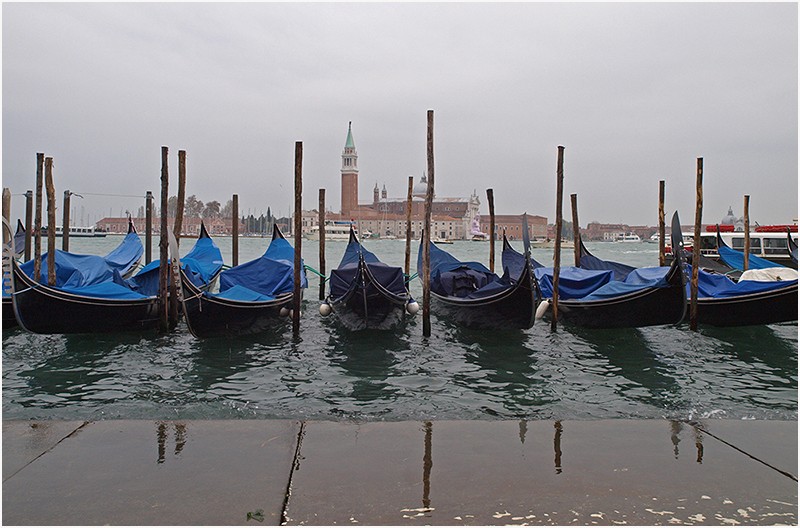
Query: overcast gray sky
[634,91]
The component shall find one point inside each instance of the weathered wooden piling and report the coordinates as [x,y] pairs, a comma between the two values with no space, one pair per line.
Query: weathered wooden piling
[148,227]
[37,227]
[51,221]
[576,230]
[426,236]
[490,200]
[28,224]
[7,237]
[746,265]
[298,234]
[235,230]
[177,229]
[698,218]
[163,245]
[662,227]
[557,250]
[65,223]
[322,244]
[409,208]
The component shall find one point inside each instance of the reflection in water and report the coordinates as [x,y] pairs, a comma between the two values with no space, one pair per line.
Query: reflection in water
[161,437]
[557,446]
[763,344]
[427,464]
[698,443]
[523,430]
[676,428]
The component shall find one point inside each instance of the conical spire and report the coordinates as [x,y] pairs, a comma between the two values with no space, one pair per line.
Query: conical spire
[349,143]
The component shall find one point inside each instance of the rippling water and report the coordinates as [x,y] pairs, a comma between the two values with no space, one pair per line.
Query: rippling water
[741,373]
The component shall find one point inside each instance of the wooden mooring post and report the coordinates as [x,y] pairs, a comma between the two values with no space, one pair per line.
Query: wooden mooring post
[28,224]
[298,234]
[148,227]
[177,229]
[163,245]
[746,265]
[557,249]
[698,218]
[37,226]
[322,244]
[426,236]
[51,221]
[65,223]
[662,227]
[235,230]
[490,200]
[576,230]
[409,205]
[7,237]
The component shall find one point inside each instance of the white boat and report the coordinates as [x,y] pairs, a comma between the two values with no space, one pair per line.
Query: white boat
[770,242]
[550,244]
[628,237]
[333,231]
[76,231]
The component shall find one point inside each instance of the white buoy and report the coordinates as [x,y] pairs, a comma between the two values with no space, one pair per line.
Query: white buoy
[284,311]
[542,308]
[412,307]
[291,314]
[324,309]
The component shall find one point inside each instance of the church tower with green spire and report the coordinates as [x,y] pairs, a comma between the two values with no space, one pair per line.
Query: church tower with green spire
[349,174]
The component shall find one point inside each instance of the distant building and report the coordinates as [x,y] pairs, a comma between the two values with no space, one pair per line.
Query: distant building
[190,226]
[512,226]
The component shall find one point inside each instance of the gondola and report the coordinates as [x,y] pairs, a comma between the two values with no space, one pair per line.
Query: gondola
[735,259]
[252,298]
[613,295]
[77,270]
[365,293]
[724,302]
[18,245]
[90,296]
[472,296]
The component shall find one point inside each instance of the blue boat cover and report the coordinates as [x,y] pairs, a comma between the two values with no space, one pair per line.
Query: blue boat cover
[590,262]
[715,286]
[573,283]
[264,278]
[735,259]
[637,280]
[73,270]
[106,290]
[127,254]
[201,264]
[390,278]
[451,277]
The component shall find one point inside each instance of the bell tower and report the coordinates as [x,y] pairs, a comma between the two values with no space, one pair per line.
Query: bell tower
[349,174]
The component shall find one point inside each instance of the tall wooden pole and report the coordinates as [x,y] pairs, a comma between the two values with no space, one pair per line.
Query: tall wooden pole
[163,245]
[177,229]
[746,232]
[7,237]
[51,221]
[576,230]
[662,227]
[65,223]
[490,200]
[235,230]
[298,233]
[409,205]
[37,227]
[148,227]
[557,250]
[28,224]
[426,237]
[698,218]
[322,244]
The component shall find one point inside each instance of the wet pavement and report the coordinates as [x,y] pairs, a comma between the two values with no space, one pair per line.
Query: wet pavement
[248,472]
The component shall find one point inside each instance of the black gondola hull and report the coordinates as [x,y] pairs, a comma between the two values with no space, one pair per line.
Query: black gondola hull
[777,306]
[44,310]
[214,317]
[9,321]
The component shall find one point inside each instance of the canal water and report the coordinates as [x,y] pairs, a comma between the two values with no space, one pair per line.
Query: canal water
[332,374]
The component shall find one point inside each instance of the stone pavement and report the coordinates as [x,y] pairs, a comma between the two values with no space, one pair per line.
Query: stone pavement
[268,472]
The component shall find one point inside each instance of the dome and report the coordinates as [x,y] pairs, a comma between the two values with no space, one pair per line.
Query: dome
[421,188]
[728,219]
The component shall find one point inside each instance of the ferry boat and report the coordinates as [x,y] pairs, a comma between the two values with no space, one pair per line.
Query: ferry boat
[628,237]
[769,242]
[333,231]
[548,243]
[76,231]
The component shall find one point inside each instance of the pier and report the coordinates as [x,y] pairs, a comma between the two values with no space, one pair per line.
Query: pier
[270,472]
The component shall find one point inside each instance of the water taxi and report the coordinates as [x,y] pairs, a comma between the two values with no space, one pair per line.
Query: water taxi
[333,231]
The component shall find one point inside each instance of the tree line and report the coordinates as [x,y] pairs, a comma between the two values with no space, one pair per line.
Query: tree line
[195,208]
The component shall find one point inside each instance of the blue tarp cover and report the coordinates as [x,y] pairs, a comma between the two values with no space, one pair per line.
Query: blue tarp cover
[573,283]
[735,259]
[637,280]
[106,290]
[715,286]
[390,278]
[590,262]
[264,278]
[73,270]
[200,265]
[127,254]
